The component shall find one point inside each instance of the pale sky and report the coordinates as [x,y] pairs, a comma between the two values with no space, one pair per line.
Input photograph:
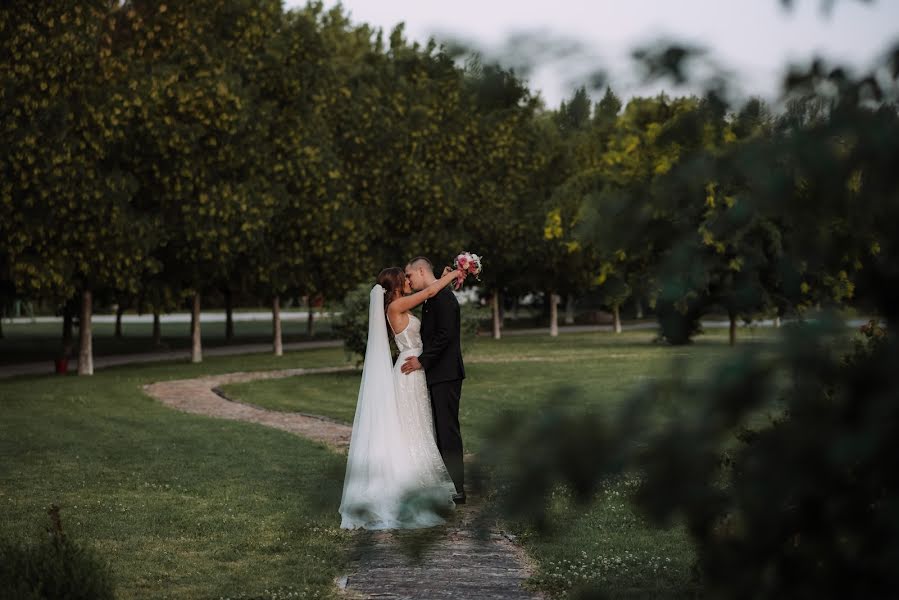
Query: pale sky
[754,39]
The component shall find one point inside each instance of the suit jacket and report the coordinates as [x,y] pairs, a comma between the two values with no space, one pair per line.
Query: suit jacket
[441,356]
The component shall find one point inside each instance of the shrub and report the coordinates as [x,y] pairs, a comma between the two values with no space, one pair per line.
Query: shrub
[472,317]
[802,505]
[54,567]
[352,323]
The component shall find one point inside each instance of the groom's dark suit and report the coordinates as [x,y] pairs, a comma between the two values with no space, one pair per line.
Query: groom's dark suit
[441,359]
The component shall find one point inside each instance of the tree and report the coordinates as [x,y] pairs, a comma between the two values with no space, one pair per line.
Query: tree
[198,149]
[605,113]
[7,288]
[501,170]
[741,251]
[293,90]
[569,261]
[72,226]
[615,291]
[574,115]
[632,218]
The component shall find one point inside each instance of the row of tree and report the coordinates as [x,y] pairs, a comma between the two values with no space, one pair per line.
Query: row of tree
[154,154]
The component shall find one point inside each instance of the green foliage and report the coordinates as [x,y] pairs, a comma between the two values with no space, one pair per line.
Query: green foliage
[198,125]
[786,490]
[575,113]
[237,144]
[352,324]
[53,567]
[804,505]
[472,317]
[505,161]
[615,291]
[605,113]
[68,216]
[807,507]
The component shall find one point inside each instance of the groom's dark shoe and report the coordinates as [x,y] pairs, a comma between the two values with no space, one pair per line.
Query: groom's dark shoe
[459,498]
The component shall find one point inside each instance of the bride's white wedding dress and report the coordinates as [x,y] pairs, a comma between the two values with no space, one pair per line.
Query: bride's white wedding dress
[395,477]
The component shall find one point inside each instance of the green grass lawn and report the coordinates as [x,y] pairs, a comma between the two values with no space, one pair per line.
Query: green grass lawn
[182,506]
[516,373]
[606,544]
[188,506]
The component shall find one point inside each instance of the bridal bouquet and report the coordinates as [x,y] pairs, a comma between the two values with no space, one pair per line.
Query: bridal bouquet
[469,264]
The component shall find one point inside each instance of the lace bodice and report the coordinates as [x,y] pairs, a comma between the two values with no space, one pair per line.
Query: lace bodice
[410,337]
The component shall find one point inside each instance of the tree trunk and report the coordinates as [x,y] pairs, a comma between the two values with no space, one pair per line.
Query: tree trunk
[310,319]
[777,321]
[569,310]
[86,351]
[553,314]
[118,321]
[639,307]
[616,312]
[229,316]
[196,350]
[276,326]
[67,336]
[157,329]
[733,328]
[497,321]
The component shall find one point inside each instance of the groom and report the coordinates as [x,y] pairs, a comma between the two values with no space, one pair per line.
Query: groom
[441,359]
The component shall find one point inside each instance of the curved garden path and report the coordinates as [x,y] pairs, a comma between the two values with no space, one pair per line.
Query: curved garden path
[201,396]
[456,564]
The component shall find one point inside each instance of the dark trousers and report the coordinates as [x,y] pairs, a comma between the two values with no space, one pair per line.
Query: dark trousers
[445,404]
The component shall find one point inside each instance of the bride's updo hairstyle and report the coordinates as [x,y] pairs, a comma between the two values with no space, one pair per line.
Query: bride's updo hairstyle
[391,279]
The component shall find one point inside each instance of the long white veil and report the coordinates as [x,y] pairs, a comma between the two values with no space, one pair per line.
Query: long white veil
[376,456]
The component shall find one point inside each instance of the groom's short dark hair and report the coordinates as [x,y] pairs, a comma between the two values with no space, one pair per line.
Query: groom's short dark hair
[418,260]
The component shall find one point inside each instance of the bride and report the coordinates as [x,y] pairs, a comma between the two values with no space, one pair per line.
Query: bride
[395,477]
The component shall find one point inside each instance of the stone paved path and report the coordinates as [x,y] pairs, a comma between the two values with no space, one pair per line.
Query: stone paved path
[456,564]
[198,396]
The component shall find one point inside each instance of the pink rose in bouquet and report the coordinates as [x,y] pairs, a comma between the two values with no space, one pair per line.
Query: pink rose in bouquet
[469,264]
